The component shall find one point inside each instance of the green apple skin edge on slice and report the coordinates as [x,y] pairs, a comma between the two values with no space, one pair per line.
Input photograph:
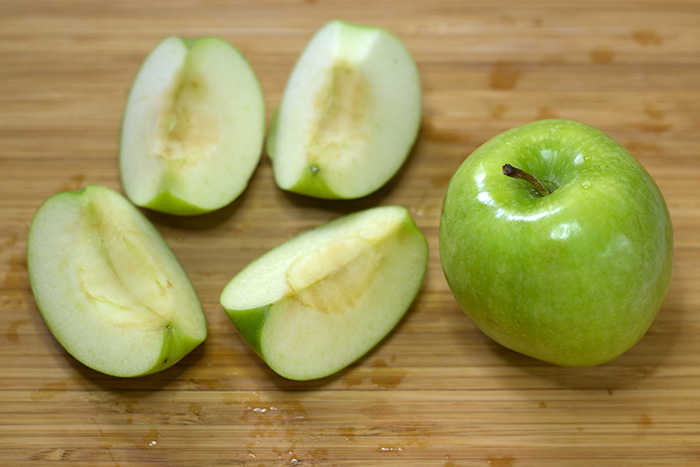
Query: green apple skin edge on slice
[108,286]
[193,127]
[574,277]
[349,115]
[318,302]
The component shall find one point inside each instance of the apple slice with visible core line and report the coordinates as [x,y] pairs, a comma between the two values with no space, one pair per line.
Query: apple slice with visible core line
[349,115]
[108,286]
[318,302]
[193,128]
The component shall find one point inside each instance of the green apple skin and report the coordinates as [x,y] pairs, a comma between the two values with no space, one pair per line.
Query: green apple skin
[575,277]
[108,286]
[193,127]
[318,302]
[349,115]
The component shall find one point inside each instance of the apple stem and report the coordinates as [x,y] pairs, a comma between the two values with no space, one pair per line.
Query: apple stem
[515,172]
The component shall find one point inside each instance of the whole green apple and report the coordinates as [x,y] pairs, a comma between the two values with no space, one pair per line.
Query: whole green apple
[572,272]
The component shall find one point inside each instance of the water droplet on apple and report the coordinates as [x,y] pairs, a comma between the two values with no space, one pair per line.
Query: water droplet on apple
[558,126]
[586,185]
[602,166]
[587,158]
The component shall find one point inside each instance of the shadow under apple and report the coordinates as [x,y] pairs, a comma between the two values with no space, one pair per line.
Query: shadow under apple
[347,206]
[289,385]
[626,371]
[210,220]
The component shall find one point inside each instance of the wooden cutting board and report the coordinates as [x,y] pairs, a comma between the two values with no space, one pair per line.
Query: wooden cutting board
[435,392]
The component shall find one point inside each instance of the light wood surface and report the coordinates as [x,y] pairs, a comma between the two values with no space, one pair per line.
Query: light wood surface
[435,392]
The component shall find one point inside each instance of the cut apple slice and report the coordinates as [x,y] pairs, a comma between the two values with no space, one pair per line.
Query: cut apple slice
[349,115]
[108,286]
[318,302]
[193,127]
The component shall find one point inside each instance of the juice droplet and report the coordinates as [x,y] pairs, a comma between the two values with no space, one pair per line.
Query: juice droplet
[586,185]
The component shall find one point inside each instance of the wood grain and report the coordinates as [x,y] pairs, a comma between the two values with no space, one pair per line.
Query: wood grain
[436,392]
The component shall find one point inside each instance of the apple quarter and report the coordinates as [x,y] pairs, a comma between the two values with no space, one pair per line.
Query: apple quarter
[349,114]
[193,127]
[318,302]
[108,286]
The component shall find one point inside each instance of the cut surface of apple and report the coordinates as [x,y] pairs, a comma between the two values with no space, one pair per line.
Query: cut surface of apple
[349,115]
[318,302]
[108,286]
[193,127]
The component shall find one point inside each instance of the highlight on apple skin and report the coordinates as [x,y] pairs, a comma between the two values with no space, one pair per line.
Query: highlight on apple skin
[108,286]
[572,273]
[319,301]
[349,115]
[193,127]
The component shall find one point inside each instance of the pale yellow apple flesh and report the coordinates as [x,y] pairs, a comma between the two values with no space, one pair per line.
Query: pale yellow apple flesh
[318,302]
[109,287]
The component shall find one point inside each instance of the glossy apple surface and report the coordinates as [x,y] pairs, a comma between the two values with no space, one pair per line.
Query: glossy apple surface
[108,286]
[575,277]
[193,127]
[318,302]
[349,114]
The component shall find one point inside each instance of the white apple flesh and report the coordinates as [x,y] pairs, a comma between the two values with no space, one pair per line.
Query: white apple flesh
[349,115]
[318,302]
[108,286]
[193,127]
